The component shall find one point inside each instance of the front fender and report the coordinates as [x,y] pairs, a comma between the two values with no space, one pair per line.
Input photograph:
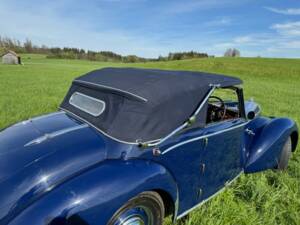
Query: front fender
[267,144]
[93,197]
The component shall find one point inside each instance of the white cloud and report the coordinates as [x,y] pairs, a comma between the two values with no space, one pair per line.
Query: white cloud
[290,11]
[287,29]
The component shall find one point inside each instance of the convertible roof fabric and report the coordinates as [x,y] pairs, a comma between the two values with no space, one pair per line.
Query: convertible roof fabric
[144,104]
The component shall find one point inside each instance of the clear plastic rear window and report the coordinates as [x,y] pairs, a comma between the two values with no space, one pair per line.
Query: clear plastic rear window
[88,104]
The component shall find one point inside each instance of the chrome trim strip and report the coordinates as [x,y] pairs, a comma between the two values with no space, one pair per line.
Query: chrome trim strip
[85,110]
[54,134]
[209,198]
[202,137]
[112,88]
[101,131]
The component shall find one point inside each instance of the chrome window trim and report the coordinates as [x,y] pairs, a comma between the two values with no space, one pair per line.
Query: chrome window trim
[202,137]
[209,198]
[85,110]
[112,88]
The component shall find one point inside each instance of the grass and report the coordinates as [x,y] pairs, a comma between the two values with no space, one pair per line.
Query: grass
[267,198]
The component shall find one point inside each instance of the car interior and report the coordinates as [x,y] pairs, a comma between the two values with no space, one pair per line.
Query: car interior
[222,106]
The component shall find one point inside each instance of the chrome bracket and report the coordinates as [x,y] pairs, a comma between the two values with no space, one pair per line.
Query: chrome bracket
[202,168]
[156,152]
[205,141]
[199,193]
[249,132]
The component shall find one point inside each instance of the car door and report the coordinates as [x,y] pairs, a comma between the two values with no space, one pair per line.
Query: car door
[221,158]
[203,160]
[181,155]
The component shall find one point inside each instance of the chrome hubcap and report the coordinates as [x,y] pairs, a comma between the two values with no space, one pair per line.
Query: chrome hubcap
[135,216]
[134,221]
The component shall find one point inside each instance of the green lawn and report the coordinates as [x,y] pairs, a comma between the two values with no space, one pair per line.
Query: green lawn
[270,198]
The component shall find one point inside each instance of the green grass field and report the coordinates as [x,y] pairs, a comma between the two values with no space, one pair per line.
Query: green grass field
[267,198]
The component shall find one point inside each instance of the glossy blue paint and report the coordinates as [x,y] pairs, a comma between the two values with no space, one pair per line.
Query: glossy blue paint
[269,138]
[94,196]
[30,174]
[203,166]
[56,169]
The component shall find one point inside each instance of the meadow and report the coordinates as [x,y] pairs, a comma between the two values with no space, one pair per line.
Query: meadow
[268,198]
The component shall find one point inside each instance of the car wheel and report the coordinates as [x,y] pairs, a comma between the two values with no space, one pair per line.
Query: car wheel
[285,155]
[145,209]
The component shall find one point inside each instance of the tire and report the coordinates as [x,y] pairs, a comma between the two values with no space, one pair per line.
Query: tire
[285,155]
[145,209]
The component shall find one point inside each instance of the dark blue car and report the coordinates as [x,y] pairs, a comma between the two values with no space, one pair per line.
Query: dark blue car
[131,146]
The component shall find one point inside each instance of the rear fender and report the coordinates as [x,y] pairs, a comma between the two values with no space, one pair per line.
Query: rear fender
[268,143]
[93,197]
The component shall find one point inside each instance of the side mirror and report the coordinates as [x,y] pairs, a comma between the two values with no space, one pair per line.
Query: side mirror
[251,115]
[252,109]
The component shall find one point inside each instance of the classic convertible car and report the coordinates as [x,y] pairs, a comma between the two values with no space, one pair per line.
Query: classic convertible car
[131,146]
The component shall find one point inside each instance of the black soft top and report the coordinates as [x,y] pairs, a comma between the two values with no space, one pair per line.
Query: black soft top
[144,104]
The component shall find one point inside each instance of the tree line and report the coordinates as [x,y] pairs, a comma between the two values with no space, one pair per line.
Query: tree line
[76,53]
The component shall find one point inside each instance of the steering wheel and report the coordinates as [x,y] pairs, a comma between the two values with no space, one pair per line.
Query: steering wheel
[219,111]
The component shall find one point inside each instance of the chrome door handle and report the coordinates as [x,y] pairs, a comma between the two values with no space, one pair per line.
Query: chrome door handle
[250,132]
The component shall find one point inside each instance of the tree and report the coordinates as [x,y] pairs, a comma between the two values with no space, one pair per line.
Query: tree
[28,46]
[232,52]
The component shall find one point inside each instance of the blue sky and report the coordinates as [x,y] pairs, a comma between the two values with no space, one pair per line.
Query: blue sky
[150,28]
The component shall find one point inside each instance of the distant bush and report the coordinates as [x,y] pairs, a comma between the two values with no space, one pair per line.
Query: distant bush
[186,55]
[232,52]
[76,53]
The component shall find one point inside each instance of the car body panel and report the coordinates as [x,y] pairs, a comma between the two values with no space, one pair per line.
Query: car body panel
[270,135]
[28,171]
[94,196]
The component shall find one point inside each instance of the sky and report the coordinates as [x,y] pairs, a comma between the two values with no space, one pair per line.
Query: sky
[149,28]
